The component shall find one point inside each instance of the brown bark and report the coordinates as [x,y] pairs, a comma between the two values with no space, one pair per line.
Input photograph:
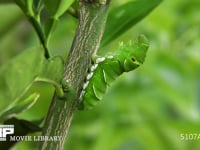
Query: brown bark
[90,29]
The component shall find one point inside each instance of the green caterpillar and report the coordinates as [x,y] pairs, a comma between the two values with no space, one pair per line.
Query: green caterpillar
[106,69]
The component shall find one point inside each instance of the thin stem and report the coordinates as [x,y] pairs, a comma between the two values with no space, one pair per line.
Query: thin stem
[50,25]
[40,34]
[35,21]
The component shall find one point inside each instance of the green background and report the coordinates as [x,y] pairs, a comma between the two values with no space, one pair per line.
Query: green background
[147,109]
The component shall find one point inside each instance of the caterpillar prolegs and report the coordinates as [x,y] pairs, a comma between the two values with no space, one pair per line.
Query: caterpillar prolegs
[106,69]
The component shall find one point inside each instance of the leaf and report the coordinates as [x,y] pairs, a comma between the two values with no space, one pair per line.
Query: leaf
[37,4]
[9,19]
[26,6]
[20,107]
[50,25]
[17,76]
[52,72]
[121,18]
[58,7]
[22,126]
[6,1]
[52,69]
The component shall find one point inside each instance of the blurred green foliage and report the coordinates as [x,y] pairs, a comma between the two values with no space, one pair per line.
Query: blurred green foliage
[147,109]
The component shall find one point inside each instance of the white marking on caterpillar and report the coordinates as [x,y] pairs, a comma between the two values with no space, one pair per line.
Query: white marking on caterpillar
[104,76]
[100,59]
[110,57]
[85,85]
[94,90]
[89,76]
[82,94]
[94,67]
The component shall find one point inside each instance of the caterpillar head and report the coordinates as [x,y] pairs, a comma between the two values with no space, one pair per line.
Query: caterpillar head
[132,55]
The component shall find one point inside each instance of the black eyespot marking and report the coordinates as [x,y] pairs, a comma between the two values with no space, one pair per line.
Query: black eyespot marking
[133,59]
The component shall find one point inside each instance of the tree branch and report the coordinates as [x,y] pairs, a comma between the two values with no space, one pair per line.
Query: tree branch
[90,29]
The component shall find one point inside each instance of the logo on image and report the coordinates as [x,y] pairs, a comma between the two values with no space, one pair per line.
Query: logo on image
[5,130]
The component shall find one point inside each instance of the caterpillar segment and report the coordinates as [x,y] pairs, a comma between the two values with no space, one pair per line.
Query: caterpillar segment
[106,69]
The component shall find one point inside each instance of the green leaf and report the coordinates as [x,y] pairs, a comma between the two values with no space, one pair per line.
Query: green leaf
[26,6]
[17,76]
[37,4]
[6,1]
[9,19]
[119,19]
[49,28]
[52,72]
[20,107]
[57,7]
